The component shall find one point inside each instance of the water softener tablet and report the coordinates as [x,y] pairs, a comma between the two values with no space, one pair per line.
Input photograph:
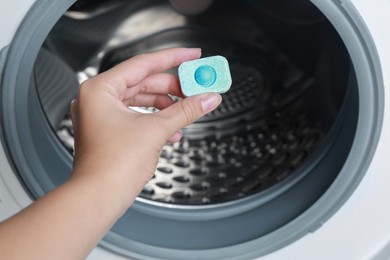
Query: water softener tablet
[204,75]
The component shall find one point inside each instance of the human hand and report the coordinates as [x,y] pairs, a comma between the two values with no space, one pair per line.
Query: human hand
[116,153]
[117,146]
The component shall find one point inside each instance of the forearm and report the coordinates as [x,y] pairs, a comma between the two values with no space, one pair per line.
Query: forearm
[65,224]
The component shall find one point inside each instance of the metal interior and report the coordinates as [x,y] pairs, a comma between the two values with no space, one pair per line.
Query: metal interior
[267,126]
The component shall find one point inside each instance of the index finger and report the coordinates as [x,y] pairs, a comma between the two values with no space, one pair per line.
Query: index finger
[134,70]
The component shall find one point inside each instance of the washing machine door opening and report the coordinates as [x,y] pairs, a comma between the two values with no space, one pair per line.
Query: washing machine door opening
[284,100]
[251,169]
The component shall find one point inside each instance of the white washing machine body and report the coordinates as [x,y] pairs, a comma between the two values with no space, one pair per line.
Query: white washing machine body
[359,229]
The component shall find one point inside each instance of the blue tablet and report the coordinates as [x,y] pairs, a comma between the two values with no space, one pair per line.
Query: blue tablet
[211,74]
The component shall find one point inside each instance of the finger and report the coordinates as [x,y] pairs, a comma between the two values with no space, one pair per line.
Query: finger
[188,110]
[175,137]
[162,83]
[134,70]
[150,100]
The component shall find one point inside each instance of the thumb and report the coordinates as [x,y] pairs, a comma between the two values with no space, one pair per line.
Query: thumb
[189,110]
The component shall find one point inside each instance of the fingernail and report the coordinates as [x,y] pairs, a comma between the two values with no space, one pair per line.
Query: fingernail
[197,49]
[176,137]
[210,102]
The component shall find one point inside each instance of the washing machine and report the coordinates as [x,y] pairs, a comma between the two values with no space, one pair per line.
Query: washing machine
[293,164]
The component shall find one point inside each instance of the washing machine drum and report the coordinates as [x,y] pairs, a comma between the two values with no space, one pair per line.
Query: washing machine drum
[265,168]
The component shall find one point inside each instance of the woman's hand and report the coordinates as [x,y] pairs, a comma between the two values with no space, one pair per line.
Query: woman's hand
[122,146]
[116,153]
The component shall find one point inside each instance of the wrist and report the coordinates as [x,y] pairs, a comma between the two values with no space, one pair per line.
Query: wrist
[113,190]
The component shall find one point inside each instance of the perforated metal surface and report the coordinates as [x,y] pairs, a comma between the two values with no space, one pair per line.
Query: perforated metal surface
[218,169]
[260,135]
